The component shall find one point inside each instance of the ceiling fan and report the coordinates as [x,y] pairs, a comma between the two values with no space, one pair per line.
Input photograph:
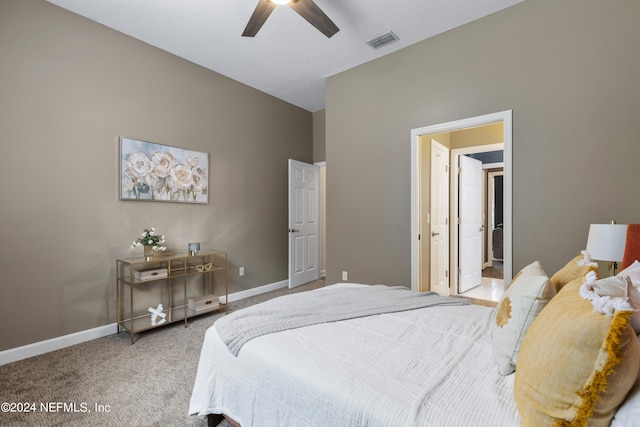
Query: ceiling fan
[305,8]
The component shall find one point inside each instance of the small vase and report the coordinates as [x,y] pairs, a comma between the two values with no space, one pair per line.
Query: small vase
[148,252]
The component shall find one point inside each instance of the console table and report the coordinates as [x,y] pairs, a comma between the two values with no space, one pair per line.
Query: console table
[184,284]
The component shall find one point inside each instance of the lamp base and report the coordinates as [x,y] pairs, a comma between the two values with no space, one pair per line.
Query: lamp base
[613,266]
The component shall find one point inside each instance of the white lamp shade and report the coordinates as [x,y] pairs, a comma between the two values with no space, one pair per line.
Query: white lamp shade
[606,241]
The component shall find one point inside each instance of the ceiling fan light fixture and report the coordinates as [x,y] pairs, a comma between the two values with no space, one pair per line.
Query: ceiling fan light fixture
[305,8]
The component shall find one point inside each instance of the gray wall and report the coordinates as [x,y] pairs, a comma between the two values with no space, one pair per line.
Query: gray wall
[68,89]
[568,70]
[319,136]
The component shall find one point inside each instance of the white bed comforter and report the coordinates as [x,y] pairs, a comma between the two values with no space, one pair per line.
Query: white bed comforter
[424,367]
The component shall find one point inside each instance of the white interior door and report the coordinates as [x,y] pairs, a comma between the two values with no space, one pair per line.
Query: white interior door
[470,211]
[439,219]
[303,223]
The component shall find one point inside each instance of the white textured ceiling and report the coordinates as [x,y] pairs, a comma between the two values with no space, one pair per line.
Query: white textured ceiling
[288,58]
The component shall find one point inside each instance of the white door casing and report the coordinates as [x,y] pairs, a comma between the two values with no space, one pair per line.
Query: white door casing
[506,117]
[439,219]
[470,224]
[303,223]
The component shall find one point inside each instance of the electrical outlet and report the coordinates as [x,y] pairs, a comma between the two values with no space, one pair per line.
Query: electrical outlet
[344,275]
[241,272]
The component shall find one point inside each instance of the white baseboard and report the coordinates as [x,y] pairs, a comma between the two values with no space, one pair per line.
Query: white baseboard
[37,348]
[255,291]
[42,347]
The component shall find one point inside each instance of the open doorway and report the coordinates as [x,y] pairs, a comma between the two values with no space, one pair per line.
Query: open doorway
[452,135]
[480,269]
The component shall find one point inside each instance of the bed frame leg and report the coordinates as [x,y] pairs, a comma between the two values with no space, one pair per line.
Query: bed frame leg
[214,419]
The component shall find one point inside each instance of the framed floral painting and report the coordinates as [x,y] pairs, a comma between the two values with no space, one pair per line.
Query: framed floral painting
[155,172]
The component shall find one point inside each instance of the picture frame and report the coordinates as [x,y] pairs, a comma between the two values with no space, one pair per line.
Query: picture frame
[162,173]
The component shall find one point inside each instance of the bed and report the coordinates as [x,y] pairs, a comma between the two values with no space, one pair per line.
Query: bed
[432,366]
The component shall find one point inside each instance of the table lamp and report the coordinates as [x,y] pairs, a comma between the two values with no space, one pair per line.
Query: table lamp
[606,243]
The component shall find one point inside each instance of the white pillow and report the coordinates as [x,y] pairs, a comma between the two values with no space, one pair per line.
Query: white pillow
[633,273]
[614,288]
[628,413]
[523,299]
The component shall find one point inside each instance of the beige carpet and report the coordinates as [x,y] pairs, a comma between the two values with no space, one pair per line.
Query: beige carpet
[108,382]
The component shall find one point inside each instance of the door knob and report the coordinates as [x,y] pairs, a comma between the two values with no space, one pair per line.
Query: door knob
[293,230]
[433,233]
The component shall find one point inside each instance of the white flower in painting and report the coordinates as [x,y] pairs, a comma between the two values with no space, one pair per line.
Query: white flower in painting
[138,165]
[127,184]
[163,162]
[182,177]
[199,183]
[193,161]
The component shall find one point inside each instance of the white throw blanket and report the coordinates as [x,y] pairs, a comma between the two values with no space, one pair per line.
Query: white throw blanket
[321,306]
[423,367]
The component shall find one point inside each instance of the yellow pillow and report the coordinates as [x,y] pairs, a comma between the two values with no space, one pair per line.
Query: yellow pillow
[574,269]
[576,365]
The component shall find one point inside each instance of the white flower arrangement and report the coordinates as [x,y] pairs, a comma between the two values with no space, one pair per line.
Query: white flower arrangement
[150,238]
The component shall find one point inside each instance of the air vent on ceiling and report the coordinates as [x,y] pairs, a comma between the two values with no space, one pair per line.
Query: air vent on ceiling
[382,40]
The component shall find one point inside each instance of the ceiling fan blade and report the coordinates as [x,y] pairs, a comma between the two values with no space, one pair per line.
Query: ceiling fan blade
[260,15]
[315,16]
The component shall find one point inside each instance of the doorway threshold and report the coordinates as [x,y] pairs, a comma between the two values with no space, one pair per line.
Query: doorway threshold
[489,291]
